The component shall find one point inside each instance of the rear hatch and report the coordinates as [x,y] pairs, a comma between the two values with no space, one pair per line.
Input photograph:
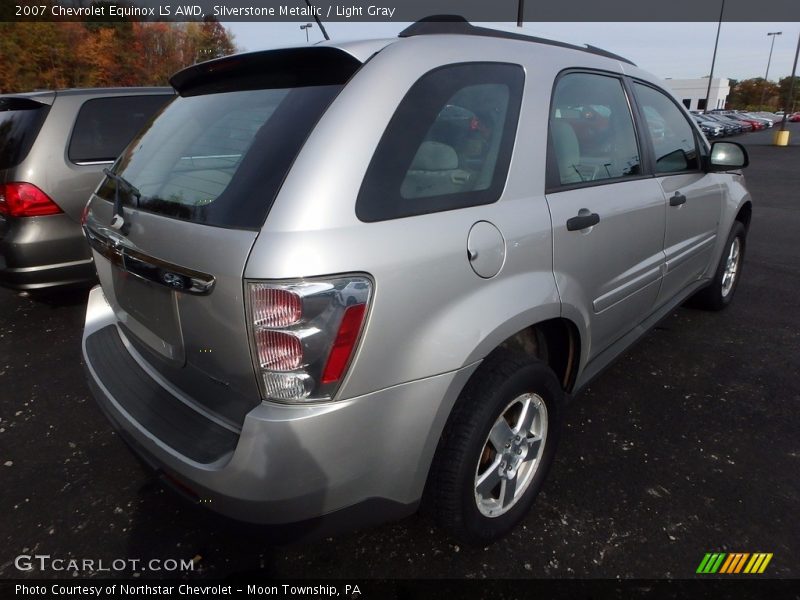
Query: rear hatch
[21,119]
[173,224]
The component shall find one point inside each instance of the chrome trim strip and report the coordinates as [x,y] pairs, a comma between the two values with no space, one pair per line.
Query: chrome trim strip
[89,163]
[148,268]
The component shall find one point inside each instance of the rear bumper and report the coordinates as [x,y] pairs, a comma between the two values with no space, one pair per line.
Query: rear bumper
[43,252]
[366,458]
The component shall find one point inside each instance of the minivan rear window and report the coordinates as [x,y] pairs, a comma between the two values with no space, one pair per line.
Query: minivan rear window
[104,126]
[220,158]
[20,122]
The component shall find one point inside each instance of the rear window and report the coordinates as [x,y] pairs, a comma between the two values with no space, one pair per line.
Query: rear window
[20,122]
[219,159]
[106,125]
[218,154]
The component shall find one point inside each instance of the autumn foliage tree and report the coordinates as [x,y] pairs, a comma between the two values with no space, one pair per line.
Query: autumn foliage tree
[793,103]
[748,94]
[52,55]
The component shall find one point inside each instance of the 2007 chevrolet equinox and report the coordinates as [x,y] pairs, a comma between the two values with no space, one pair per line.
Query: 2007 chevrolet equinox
[336,277]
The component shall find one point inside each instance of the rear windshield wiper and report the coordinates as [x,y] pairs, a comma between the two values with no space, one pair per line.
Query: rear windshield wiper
[118,220]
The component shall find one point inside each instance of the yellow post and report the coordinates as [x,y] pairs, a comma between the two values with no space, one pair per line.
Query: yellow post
[781,138]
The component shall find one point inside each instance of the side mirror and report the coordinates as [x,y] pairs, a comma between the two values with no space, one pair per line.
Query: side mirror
[727,156]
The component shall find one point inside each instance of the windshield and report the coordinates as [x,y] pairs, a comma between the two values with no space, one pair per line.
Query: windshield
[220,158]
[20,121]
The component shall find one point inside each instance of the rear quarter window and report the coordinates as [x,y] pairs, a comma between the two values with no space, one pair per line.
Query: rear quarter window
[448,145]
[104,126]
[20,122]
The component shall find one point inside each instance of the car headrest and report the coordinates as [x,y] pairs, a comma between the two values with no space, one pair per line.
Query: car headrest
[565,143]
[434,156]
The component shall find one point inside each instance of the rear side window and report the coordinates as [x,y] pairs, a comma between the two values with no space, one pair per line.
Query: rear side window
[592,137]
[448,144]
[673,137]
[104,126]
[20,122]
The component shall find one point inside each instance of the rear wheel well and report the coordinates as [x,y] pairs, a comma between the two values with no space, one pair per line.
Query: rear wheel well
[555,342]
[744,215]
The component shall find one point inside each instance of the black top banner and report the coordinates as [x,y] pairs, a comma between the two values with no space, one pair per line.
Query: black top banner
[403,10]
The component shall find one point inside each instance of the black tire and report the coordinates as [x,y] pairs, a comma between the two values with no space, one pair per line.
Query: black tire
[502,378]
[714,297]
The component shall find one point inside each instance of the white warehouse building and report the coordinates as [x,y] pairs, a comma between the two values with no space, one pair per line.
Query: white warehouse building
[692,92]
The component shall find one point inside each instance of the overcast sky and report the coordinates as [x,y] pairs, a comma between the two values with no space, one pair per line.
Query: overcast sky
[676,50]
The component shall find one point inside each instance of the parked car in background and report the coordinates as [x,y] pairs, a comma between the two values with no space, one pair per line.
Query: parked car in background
[745,125]
[795,117]
[710,128]
[769,116]
[766,121]
[53,149]
[755,124]
[730,126]
[299,326]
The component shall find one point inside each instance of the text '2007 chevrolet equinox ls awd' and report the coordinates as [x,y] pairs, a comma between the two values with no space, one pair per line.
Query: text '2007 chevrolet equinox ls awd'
[336,277]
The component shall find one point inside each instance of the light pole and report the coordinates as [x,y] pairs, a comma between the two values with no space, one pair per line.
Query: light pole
[305,28]
[782,136]
[714,57]
[771,34]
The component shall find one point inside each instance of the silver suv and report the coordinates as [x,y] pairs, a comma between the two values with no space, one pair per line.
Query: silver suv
[338,279]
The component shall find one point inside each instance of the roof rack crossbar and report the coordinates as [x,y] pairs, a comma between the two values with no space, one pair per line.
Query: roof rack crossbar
[456,24]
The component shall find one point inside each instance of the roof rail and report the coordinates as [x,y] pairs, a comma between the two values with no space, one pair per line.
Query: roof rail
[456,24]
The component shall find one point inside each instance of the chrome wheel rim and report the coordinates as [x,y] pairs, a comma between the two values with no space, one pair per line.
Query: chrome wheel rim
[511,455]
[731,267]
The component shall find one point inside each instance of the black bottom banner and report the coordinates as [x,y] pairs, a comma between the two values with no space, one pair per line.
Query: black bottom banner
[443,589]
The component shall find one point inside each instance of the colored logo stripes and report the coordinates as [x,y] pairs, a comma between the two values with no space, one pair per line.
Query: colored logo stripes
[735,562]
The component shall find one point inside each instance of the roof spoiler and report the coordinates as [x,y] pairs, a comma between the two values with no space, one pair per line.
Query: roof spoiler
[282,68]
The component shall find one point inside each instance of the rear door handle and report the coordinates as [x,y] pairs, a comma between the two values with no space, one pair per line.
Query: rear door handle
[582,222]
[677,199]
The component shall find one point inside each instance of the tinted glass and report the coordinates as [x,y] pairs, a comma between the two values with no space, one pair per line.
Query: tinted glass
[447,146]
[220,158]
[106,125]
[20,122]
[591,130]
[673,137]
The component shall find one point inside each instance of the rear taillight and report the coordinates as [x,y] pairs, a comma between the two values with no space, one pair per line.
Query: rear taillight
[304,335]
[274,307]
[278,350]
[25,200]
[344,343]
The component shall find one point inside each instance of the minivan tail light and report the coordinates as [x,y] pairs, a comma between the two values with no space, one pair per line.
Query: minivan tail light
[304,334]
[21,199]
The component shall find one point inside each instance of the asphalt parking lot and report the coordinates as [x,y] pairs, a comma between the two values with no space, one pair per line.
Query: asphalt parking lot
[688,444]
